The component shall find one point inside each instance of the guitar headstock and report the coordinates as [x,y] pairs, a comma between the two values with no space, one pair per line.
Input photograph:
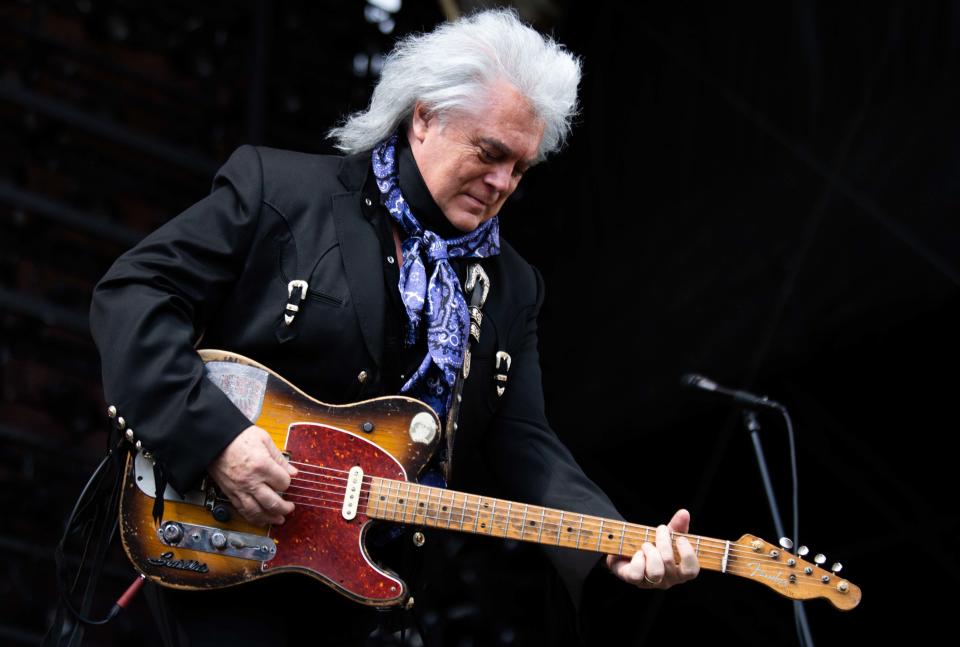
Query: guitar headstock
[791,575]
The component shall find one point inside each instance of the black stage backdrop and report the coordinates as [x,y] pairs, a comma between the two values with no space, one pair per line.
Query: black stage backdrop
[765,193]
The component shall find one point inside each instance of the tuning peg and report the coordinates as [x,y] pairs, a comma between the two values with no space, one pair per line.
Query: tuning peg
[820,559]
[836,567]
[786,543]
[802,551]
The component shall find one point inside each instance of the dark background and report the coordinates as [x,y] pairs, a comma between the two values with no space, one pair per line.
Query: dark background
[762,192]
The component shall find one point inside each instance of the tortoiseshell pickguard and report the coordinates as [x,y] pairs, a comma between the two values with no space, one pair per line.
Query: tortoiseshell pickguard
[316,536]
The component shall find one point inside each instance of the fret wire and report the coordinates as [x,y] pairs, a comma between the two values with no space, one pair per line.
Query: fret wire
[623,533]
[463,509]
[698,546]
[416,506]
[543,511]
[396,502]
[426,507]
[423,505]
[406,505]
[476,521]
[398,512]
[506,528]
[523,521]
[450,510]
[492,517]
[559,527]
[579,529]
[600,534]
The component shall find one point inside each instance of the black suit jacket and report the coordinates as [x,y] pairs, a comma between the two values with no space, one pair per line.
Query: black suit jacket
[216,276]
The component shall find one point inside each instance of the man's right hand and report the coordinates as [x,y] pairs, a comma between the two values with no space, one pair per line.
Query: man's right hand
[251,471]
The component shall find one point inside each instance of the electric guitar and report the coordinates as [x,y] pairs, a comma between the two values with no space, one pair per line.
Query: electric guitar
[358,463]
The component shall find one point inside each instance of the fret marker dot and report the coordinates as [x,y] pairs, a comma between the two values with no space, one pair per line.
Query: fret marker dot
[569,529]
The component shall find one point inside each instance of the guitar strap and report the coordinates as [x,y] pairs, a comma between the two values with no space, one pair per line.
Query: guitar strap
[478,287]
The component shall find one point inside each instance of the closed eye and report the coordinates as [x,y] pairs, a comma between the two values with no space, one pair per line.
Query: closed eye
[488,156]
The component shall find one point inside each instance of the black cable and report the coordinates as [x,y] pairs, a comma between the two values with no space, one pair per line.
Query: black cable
[93,518]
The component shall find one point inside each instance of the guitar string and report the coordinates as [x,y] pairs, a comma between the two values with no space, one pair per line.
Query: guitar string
[734,567]
[494,526]
[589,524]
[709,547]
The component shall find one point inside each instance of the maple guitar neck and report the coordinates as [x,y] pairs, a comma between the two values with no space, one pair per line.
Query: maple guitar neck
[749,557]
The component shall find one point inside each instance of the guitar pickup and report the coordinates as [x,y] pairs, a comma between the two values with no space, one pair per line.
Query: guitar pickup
[352,496]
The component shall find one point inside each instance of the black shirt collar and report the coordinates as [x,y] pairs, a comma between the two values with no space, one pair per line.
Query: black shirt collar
[417,195]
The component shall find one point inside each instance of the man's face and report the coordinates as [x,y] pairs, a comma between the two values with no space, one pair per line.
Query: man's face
[471,163]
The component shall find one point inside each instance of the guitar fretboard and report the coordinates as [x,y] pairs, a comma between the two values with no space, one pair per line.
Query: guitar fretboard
[422,505]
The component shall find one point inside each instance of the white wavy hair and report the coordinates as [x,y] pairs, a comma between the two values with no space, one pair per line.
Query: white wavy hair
[453,68]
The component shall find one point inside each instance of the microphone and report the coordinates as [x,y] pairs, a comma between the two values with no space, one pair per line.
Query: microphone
[743,397]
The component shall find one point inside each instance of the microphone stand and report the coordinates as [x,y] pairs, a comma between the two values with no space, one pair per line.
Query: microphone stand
[753,426]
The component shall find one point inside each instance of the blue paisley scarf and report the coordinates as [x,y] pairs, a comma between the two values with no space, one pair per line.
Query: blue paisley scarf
[429,287]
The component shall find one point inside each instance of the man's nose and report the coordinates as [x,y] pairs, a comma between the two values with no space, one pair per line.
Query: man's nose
[500,178]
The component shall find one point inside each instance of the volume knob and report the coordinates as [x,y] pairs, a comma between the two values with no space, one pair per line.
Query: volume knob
[172,532]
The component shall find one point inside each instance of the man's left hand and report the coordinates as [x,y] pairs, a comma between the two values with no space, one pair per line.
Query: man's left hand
[653,567]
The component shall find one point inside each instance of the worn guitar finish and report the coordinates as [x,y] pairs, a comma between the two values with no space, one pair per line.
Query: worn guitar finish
[358,463]
[315,540]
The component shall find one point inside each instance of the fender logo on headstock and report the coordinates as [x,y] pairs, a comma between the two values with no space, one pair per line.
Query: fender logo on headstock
[776,578]
[166,559]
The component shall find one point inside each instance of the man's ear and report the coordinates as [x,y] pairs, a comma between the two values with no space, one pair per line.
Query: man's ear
[421,122]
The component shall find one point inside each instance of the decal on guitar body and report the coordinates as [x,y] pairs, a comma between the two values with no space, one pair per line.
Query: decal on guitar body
[166,559]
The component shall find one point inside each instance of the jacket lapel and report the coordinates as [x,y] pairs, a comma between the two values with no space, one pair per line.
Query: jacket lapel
[361,254]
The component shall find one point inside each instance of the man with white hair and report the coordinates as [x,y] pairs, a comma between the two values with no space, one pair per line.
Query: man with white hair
[382,238]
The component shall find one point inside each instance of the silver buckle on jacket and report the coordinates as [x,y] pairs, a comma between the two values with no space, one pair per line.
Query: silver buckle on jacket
[293,303]
[475,276]
[501,378]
